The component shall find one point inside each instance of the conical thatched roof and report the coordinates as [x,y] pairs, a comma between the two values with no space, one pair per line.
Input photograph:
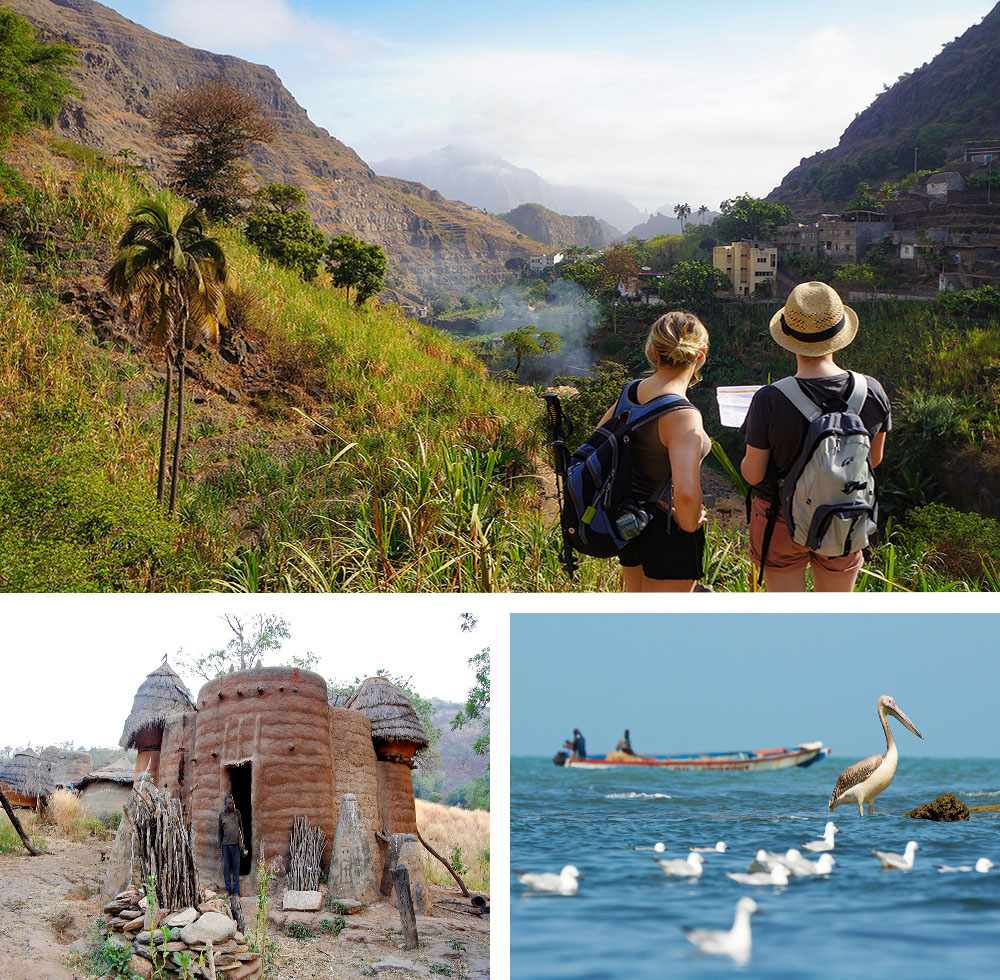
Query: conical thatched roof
[118,771]
[161,693]
[390,712]
[28,775]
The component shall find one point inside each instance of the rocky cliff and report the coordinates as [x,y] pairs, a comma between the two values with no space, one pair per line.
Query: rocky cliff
[543,225]
[936,108]
[124,67]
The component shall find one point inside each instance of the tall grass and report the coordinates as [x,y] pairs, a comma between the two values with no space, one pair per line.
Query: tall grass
[456,834]
[64,811]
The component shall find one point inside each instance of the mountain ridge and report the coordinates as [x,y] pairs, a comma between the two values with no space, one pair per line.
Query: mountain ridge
[122,66]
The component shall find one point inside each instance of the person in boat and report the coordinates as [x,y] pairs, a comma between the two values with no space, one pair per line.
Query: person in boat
[813,325]
[666,556]
[577,746]
[625,744]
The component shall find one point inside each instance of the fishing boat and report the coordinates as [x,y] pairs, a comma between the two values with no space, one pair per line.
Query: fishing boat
[804,754]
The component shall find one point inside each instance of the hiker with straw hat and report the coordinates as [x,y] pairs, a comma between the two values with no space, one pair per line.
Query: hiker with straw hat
[813,325]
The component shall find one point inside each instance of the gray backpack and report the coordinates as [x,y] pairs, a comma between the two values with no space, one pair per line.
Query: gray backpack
[828,496]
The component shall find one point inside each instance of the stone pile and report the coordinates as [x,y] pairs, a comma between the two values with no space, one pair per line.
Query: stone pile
[192,942]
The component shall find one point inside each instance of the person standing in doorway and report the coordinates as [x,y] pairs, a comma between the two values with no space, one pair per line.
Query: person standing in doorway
[231,844]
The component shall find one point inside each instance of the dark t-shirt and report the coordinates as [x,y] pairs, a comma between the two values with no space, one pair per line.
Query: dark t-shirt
[774,423]
[580,747]
[230,827]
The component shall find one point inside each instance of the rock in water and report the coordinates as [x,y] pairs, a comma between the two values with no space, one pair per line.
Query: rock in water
[946,807]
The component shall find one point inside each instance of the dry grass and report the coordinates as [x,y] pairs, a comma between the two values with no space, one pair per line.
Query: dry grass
[456,833]
[64,811]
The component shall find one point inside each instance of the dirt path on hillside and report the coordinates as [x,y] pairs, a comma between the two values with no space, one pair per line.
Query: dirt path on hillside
[49,906]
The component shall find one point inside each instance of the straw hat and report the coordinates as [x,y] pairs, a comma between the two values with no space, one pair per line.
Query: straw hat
[814,321]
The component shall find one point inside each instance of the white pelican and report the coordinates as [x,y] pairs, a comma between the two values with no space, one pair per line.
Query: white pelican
[720,846]
[735,942]
[689,867]
[778,875]
[826,844]
[898,862]
[863,781]
[564,883]
[982,866]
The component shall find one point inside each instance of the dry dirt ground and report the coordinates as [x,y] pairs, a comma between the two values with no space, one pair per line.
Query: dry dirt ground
[49,906]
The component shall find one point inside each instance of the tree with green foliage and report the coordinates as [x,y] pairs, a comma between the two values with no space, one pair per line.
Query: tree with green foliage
[747,217]
[280,227]
[527,341]
[355,263]
[693,285]
[221,122]
[171,277]
[252,639]
[33,84]
[475,795]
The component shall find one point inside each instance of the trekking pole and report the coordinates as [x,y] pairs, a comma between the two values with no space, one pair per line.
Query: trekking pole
[560,433]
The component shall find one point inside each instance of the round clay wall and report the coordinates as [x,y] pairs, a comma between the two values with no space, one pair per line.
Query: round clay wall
[396,797]
[178,747]
[100,799]
[270,725]
[355,772]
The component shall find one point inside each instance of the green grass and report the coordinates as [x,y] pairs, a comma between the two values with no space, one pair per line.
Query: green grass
[10,840]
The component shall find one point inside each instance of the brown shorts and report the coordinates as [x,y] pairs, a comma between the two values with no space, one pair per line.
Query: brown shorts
[783,552]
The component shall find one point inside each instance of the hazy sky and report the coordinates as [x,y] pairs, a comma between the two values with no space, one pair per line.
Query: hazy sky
[731,681]
[663,102]
[71,665]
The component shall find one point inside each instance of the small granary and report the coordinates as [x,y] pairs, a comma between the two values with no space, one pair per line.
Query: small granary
[160,694]
[270,737]
[25,779]
[106,790]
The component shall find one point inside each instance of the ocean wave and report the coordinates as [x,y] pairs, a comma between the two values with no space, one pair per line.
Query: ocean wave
[995,792]
[638,796]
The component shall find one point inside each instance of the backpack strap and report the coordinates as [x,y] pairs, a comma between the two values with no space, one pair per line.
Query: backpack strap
[653,409]
[859,393]
[789,387]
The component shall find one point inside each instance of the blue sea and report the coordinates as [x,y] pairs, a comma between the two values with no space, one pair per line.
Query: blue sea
[859,922]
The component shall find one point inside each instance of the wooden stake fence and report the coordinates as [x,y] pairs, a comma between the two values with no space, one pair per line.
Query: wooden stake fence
[306,860]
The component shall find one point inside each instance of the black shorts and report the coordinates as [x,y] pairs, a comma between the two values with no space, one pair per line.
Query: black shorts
[665,550]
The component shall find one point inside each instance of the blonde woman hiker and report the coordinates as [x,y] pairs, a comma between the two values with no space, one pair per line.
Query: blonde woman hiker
[813,325]
[667,452]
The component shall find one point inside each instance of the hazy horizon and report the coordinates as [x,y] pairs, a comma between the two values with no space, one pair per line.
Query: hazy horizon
[680,103]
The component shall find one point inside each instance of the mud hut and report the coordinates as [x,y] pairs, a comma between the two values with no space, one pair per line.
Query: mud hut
[160,694]
[271,738]
[66,767]
[397,736]
[25,780]
[105,791]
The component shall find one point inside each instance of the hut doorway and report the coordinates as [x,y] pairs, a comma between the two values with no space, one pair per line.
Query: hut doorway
[240,785]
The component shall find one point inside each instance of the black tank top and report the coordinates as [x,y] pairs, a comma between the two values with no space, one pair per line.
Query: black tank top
[650,459]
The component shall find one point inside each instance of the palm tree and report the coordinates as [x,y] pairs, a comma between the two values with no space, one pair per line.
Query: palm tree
[683,212]
[702,211]
[169,277]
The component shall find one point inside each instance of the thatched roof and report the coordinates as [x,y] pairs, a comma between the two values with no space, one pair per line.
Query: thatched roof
[118,771]
[66,767]
[28,775]
[390,712]
[161,693]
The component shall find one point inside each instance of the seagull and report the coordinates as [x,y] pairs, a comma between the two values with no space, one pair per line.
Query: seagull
[720,846]
[659,847]
[802,867]
[776,876]
[826,844]
[735,942]
[766,861]
[564,883]
[863,781]
[982,866]
[898,862]
[689,867]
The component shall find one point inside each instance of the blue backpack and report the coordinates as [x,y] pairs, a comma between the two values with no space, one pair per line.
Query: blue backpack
[599,513]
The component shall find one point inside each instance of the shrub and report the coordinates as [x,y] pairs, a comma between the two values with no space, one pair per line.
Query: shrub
[299,930]
[964,541]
